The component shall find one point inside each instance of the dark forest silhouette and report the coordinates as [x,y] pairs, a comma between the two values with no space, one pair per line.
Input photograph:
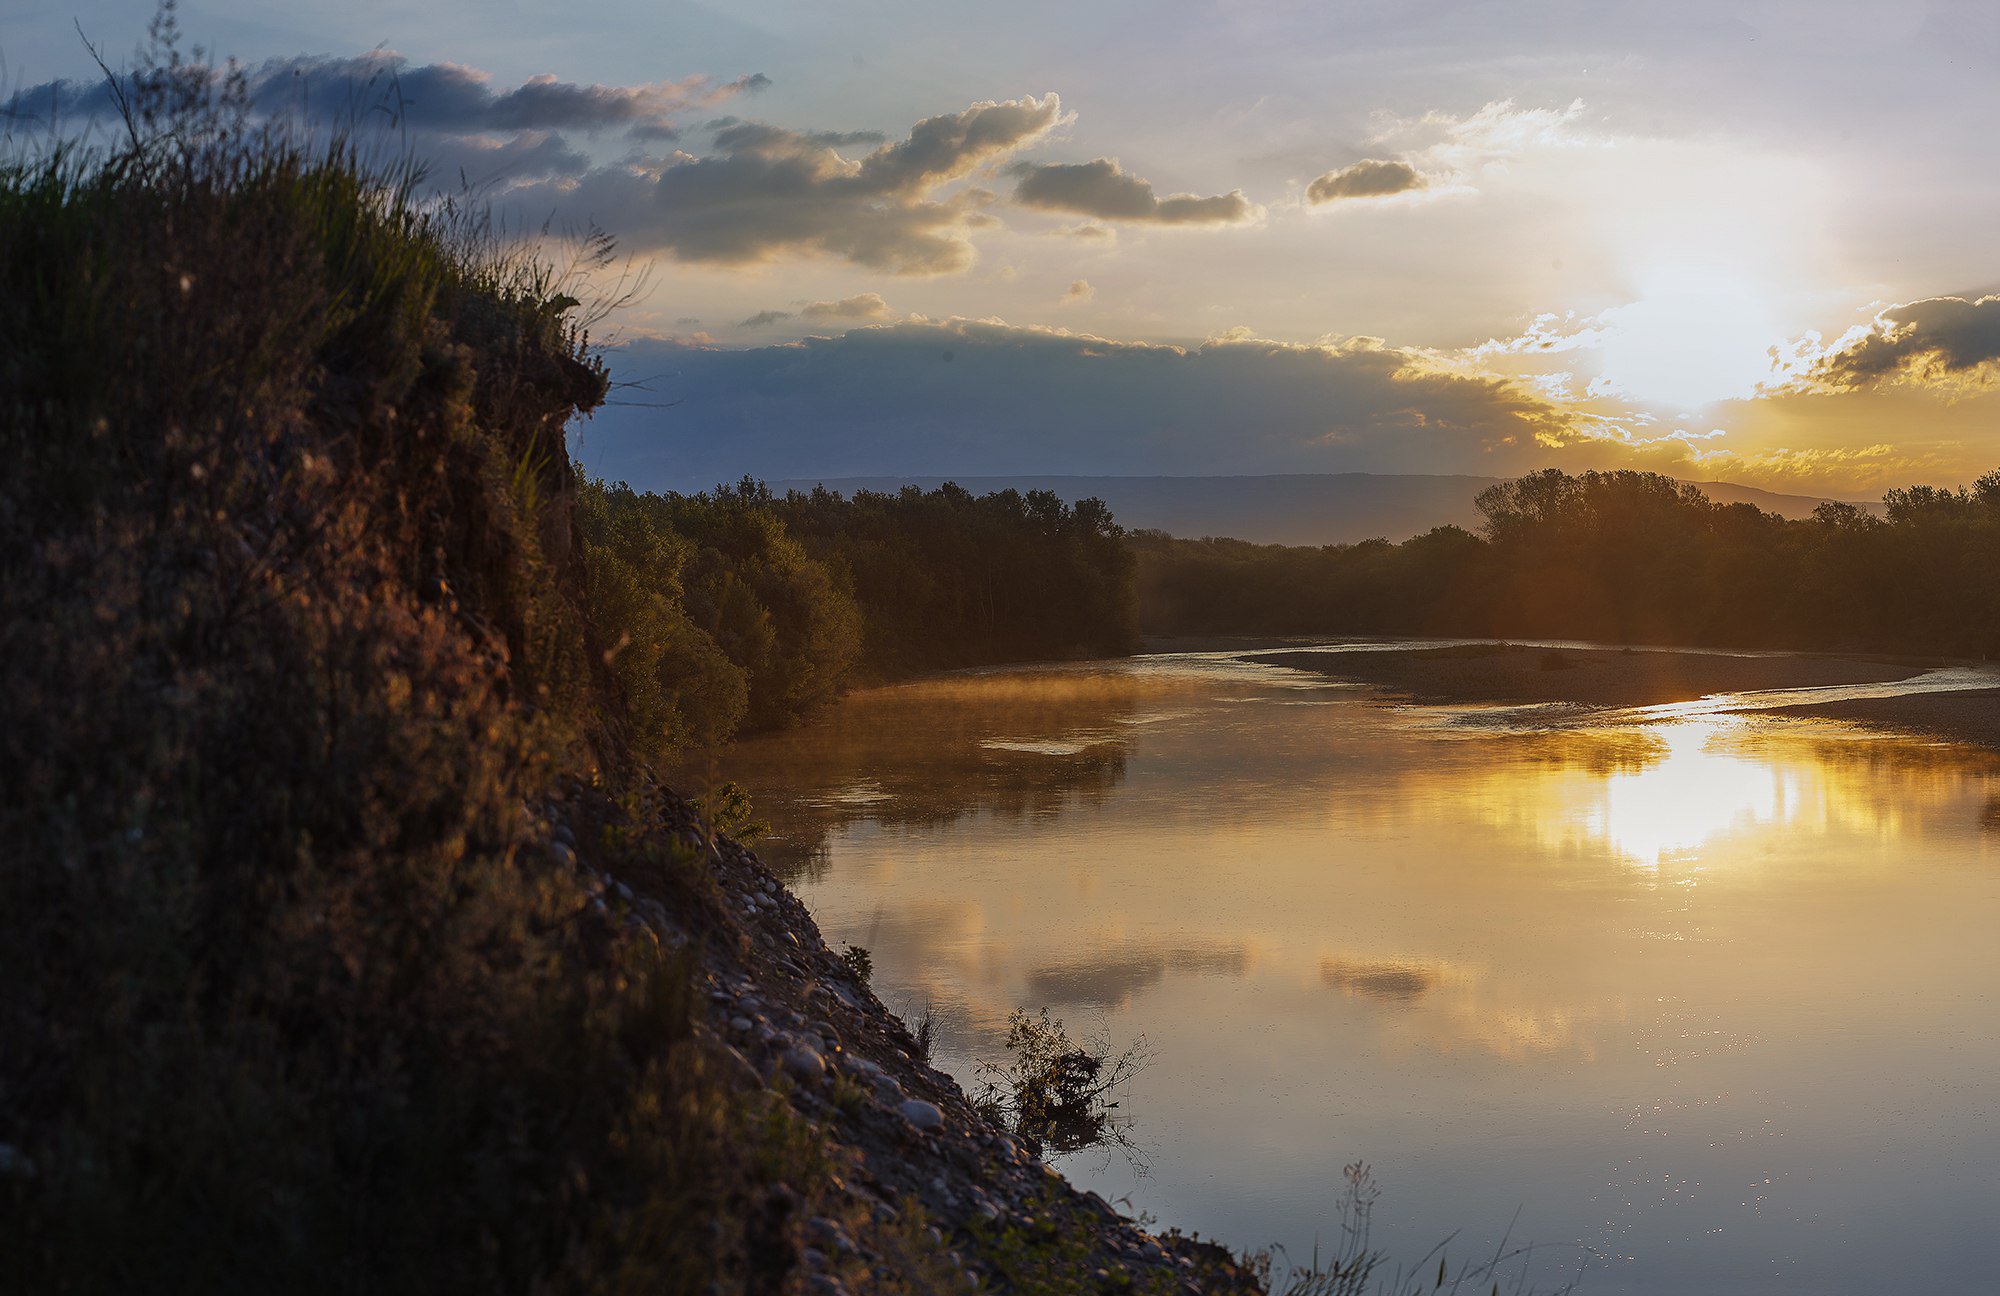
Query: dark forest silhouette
[1623,557]
[737,608]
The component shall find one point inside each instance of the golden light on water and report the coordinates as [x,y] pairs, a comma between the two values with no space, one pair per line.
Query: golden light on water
[1553,954]
[1685,789]
[1692,794]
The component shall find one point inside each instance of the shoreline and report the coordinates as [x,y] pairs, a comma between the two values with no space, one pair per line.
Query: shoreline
[1517,673]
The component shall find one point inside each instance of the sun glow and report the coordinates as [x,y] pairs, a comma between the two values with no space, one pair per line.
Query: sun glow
[1670,808]
[1693,338]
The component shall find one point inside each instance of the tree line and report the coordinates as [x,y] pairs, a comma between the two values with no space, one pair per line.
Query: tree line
[738,609]
[1627,557]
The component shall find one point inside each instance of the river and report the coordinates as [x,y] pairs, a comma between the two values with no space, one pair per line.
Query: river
[1698,998]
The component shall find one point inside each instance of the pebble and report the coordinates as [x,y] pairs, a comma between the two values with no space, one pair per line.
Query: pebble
[803,1061]
[923,1115]
[564,836]
[561,855]
[741,1025]
[829,1235]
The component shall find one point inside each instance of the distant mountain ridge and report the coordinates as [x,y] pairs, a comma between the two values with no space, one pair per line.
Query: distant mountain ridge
[1284,508]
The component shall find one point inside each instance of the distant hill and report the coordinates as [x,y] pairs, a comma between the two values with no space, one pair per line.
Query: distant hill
[1292,508]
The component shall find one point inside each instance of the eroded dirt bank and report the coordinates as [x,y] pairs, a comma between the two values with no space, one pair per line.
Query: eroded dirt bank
[926,1193]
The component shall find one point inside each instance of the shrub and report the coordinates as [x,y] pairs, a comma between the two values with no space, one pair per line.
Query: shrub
[1055,1096]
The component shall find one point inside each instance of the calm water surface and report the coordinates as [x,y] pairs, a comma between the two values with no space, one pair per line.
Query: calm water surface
[1704,994]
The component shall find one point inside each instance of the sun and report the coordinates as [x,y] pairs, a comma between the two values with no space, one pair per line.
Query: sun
[1692,338]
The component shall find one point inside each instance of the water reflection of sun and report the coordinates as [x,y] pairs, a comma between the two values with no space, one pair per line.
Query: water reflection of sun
[1693,794]
[1691,787]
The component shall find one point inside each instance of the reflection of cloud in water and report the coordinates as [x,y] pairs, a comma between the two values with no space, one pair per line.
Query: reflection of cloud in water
[1439,1007]
[926,933]
[1110,980]
[1394,981]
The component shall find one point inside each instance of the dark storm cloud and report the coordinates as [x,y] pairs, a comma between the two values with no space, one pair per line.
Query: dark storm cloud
[1942,340]
[1103,190]
[1368,178]
[768,191]
[443,98]
[971,398]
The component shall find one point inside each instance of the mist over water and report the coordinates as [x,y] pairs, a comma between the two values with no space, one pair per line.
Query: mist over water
[1704,993]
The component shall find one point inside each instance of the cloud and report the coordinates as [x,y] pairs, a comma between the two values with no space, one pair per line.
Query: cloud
[1079,291]
[862,306]
[1946,342]
[982,397]
[483,159]
[1369,178]
[734,132]
[1101,189]
[769,191]
[444,98]
[761,191]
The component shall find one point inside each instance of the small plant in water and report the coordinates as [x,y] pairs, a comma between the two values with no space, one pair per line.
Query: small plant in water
[729,812]
[1356,1267]
[1056,1096]
[859,962]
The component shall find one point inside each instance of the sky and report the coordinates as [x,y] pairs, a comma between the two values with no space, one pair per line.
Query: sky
[1748,241]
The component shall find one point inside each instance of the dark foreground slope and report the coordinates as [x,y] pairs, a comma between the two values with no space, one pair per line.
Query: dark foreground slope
[347,947]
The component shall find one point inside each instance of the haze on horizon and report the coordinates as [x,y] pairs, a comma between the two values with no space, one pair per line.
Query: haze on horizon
[1722,240]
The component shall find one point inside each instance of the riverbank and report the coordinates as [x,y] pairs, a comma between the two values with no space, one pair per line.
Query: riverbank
[911,1188]
[1626,677]
[1970,716]
[327,978]
[1509,672]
